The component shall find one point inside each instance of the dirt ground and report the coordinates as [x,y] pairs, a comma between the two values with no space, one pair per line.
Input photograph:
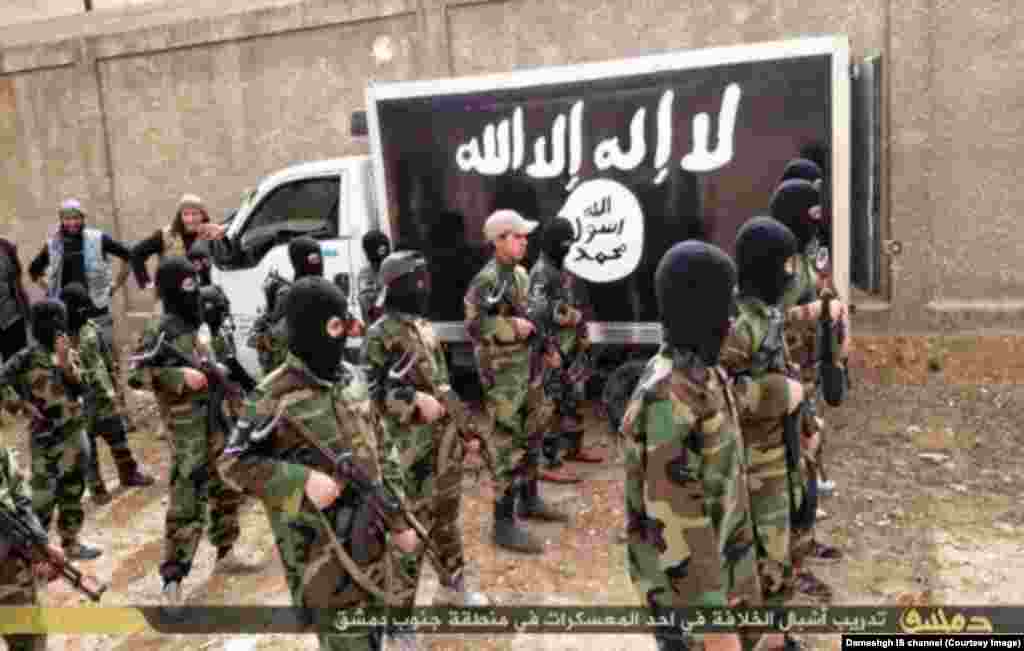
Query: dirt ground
[924,455]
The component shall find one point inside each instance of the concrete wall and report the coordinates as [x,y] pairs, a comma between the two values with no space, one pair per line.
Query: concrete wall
[129,108]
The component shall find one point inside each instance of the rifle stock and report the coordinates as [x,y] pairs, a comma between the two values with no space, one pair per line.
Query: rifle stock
[31,545]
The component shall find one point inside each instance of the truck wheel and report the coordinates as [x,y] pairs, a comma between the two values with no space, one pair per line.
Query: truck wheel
[619,388]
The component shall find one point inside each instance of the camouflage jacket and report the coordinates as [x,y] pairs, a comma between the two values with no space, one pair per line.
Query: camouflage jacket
[760,368]
[368,288]
[812,277]
[685,446]
[407,438]
[97,371]
[14,495]
[167,382]
[554,293]
[32,376]
[269,335]
[337,416]
[496,295]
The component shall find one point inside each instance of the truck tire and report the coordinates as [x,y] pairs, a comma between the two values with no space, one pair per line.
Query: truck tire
[619,388]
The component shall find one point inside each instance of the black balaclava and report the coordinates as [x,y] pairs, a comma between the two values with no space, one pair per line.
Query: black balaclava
[791,204]
[49,321]
[214,307]
[199,255]
[309,306]
[306,258]
[694,284]
[557,239]
[762,247]
[406,279]
[376,247]
[79,305]
[177,287]
[801,168]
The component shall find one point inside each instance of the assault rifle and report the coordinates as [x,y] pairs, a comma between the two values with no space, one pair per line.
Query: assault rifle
[29,542]
[830,374]
[377,502]
[271,286]
[235,369]
[405,371]
[499,303]
[221,387]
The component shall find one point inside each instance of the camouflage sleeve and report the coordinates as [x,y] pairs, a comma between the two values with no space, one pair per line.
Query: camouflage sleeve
[391,397]
[480,325]
[95,374]
[257,472]
[738,350]
[153,378]
[17,488]
[764,398]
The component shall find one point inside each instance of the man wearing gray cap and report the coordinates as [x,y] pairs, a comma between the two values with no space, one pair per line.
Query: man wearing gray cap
[511,375]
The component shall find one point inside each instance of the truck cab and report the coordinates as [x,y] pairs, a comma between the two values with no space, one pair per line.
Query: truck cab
[329,200]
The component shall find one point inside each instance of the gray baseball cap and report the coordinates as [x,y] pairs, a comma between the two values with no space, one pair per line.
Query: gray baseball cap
[506,221]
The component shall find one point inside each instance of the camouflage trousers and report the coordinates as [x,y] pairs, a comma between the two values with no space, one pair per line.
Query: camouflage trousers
[768,479]
[802,540]
[518,413]
[691,544]
[316,576]
[433,489]
[58,478]
[112,430]
[566,397]
[195,482]
[18,588]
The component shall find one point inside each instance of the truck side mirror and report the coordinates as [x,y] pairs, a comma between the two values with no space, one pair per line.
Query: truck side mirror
[360,128]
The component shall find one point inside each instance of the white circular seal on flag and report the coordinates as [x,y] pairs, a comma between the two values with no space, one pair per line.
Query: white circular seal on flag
[609,227]
[821,259]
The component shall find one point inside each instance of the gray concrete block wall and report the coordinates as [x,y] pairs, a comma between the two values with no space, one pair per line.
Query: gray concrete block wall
[128,108]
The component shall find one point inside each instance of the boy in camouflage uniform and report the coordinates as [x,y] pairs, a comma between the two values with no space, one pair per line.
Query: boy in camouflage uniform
[47,376]
[184,393]
[755,355]
[104,415]
[691,542]
[422,449]
[797,204]
[518,411]
[268,333]
[284,450]
[18,578]
[376,247]
[558,302]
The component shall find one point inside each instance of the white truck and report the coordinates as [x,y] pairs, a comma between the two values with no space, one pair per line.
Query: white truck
[638,153]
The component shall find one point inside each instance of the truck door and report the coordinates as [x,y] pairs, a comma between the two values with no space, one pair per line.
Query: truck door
[307,206]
